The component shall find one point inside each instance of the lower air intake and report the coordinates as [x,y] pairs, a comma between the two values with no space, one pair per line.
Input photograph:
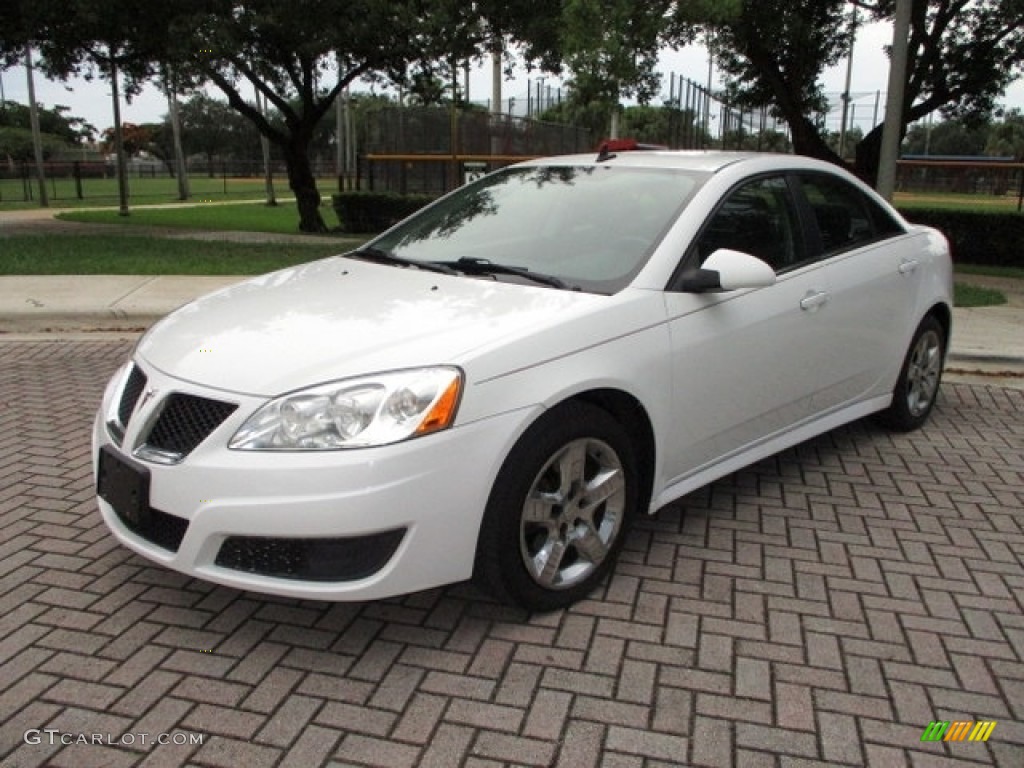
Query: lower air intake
[346,559]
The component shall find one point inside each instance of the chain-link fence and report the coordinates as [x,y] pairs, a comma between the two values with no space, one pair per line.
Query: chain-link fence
[431,150]
[341,163]
[74,183]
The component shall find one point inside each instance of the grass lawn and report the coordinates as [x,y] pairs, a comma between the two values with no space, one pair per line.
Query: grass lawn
[142,191]
[967,295]
[139,255]
[1016,273]
[248,217]
[977,203]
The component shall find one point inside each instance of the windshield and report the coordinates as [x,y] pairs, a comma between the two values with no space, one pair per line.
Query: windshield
[592,227]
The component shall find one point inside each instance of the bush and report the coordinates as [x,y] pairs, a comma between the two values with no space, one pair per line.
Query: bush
[991,239]
[371,212]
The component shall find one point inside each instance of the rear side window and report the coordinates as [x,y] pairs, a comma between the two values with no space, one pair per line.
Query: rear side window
[846,218]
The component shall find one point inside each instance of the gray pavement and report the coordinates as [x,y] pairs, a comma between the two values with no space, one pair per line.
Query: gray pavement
[820,608]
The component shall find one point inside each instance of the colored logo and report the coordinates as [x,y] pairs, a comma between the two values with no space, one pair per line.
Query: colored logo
[959,730]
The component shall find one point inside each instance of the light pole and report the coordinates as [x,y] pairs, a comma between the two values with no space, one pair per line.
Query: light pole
[893,126]
[849,77]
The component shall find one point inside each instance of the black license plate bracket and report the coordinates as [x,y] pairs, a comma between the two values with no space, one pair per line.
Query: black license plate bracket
[124,485]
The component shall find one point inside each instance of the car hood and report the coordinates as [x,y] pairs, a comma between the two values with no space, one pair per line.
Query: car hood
[338,317]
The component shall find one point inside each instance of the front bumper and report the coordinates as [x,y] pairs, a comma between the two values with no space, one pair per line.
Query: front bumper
[241,517]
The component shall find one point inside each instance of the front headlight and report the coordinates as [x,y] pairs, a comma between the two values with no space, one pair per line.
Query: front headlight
[355,413]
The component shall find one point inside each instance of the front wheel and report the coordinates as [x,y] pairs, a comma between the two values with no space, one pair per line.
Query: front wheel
[918,384]
[559,509]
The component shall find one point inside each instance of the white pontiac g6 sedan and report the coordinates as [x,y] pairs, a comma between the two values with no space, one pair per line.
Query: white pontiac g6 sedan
[496,386]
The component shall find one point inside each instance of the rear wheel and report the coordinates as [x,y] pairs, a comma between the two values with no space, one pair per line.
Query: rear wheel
[918,384]
[559,509]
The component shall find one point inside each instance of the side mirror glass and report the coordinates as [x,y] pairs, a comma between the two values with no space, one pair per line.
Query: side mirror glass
[728,270]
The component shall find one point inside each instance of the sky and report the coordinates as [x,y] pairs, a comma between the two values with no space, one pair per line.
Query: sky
[91,100]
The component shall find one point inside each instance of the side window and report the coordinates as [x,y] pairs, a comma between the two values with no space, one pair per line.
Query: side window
[756,218]
[845,216]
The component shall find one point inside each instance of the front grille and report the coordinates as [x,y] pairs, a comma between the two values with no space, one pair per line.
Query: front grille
[160,528]
[345,559]
[184,422]
[133,388]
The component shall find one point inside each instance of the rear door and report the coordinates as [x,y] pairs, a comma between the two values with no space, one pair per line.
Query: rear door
[873,275]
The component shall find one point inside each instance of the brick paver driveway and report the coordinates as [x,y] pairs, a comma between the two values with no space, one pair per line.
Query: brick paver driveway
[821,608]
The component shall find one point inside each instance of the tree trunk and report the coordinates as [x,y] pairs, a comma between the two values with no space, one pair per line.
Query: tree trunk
[180,170]
[303,185]
[808,141]
[37,140]
[869,153]
[122,156]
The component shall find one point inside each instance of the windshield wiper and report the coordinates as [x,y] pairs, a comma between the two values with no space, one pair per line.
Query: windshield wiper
[470,265]
[380,256]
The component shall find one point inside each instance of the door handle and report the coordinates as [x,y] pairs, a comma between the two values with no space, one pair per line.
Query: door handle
[907,266]
[813,300]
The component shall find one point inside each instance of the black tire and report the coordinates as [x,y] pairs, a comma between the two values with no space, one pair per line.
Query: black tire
[918,384]
[544,543]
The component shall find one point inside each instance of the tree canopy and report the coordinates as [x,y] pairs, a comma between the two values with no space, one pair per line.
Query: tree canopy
[298,58]
[962,56]
[610,48]
[1006,138]
[59,131]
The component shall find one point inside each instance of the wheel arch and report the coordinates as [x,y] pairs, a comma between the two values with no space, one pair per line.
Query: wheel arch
[944,314]
[633,417]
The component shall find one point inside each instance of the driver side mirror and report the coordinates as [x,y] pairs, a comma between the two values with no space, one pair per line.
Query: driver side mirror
[728,270]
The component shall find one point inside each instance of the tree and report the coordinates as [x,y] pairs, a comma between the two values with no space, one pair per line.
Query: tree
[89,37]
[135,139]
[947,137]
[16,145]
[54,122]
[211,127]
[767,140]
[611,47]
[1006,137]
[773,52]
[160,143]
[59,131]
[963,54]
[853,136]
[298,58]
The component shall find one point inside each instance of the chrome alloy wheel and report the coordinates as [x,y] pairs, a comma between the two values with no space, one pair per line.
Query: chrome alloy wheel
[572,514]
[923,372]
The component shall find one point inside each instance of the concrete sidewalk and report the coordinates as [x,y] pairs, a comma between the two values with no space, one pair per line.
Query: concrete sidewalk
[34,304]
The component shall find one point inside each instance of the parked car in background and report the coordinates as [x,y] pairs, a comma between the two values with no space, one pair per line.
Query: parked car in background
[497,386]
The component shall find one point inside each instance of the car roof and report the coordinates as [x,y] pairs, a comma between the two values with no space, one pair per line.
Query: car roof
[706,161]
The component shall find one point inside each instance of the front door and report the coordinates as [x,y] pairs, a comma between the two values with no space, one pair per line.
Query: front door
[740,371]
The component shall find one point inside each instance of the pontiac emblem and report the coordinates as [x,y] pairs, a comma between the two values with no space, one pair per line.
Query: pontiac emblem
[148,395]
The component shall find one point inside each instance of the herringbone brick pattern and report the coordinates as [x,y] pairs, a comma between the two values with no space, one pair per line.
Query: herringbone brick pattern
[820,608]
